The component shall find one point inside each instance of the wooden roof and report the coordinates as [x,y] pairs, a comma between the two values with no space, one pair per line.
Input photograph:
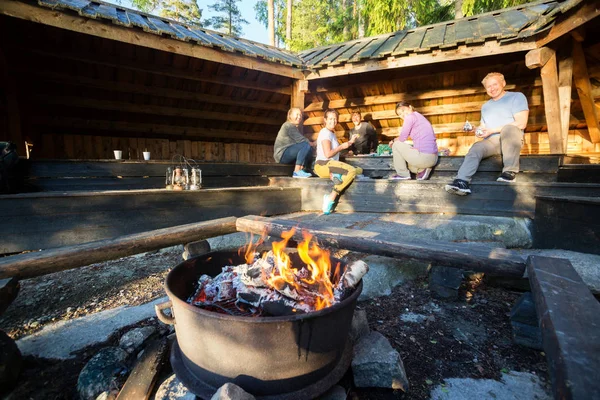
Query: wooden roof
[504,26]
[160,26]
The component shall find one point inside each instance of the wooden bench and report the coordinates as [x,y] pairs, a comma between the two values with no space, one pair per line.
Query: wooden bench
[570,323]
[532,168]
[53,219]
[567,222]
[88,175]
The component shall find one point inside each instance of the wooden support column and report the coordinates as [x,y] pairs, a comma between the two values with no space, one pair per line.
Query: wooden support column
[584,89]
[545,58]
[299,88]
[565,85]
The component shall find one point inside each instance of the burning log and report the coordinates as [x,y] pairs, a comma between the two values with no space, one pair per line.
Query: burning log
[275,284]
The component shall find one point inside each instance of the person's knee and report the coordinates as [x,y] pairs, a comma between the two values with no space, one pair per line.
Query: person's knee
[477,150]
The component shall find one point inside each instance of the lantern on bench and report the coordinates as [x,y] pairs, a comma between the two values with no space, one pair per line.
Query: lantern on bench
[169,178]
[180,178]
[196,179]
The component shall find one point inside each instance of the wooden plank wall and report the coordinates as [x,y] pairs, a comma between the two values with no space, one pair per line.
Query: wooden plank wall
[447,95]
[94,147]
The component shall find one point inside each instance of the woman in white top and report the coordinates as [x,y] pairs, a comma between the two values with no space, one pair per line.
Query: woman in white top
[328,165]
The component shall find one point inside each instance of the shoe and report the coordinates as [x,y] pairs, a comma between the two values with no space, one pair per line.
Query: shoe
[337,179]
[459,187]
[302,174]
[327,205]
[424,175]
[361,177]
[507,176]
[397,177]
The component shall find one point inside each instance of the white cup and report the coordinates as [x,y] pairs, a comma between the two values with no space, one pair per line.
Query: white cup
[146,155]
[118,154]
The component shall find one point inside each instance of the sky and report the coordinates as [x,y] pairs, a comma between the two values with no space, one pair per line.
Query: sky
[253,31]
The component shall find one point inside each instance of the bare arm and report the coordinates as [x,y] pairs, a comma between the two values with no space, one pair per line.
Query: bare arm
[329,152]
[520,122]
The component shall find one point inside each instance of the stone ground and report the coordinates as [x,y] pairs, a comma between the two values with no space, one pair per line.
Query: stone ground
[441,342]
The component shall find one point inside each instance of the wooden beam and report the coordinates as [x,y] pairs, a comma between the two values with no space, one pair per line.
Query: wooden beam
[549,74]
[537,58]
[299,89]
[125,87]
[569,318]
[145,373]
[565,87]
[86,125]
[457,255]
[29,265]
[155,69]
[413,59]
[137,37]
[79,102]
[584,90]
[586,12]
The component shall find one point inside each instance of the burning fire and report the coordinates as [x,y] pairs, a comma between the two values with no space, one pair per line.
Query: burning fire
[312,282]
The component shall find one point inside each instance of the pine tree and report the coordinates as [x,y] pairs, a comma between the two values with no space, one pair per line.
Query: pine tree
[230,21]
[186,11]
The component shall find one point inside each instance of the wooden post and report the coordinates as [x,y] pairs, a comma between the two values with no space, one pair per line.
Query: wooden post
[546,59]
[584,89]
[565,85]
[299,88]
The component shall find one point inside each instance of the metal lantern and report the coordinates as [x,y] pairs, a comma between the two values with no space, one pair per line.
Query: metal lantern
[169,178]
[180,178]
[196,179]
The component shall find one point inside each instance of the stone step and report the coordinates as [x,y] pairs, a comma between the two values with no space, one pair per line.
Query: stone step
[488,198]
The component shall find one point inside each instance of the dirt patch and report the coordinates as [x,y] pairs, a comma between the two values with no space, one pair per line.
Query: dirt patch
[469,338]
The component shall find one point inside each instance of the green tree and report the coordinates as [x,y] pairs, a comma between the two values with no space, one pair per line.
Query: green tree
[474,7]
[280,10]
[230,21]
[186,11]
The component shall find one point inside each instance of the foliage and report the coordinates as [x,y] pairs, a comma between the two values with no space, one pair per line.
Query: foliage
[230,21]
[186,11]
[260,8]
[474,7]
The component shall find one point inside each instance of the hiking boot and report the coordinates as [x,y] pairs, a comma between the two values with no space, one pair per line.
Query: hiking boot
[301,174]
[397,177]
[424,175]
[507,176]
[459,187]
[327,205]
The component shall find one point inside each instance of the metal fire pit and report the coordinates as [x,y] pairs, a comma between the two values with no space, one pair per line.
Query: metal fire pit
[290,357]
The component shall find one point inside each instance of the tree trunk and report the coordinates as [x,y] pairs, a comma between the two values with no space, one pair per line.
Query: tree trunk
[288,25]
[458,9]
[271,10]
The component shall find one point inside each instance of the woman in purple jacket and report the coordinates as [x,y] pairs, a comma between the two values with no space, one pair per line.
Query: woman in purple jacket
[422,155]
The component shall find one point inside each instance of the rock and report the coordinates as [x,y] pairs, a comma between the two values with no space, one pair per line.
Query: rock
[337,392]
[135,338]
[385,273]
[195,249]
[229,391]
[377,364]
[360,325]
[230,241]
[11,362]
[100,373]
[173,389]
[444,282]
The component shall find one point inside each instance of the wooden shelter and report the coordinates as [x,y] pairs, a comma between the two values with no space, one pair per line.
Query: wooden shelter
[81,78]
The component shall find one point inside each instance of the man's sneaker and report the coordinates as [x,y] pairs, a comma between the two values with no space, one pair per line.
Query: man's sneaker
[459,187]
[361,177]
[507,177]
[337,179]
[397,177]
[327,205]
[302,174]
[424,175]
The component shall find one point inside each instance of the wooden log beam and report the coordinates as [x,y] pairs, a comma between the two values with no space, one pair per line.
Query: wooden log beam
[546,59]
[570,321]
[584,90]
[133,65]
[565,87]
[457,255]
[86,125]
[72,101]
[586,12]
[125,87]
[137,37]
[29,265]
[299,89]
[145,373]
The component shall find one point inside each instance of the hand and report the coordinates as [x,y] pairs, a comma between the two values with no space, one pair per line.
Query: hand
[353,138]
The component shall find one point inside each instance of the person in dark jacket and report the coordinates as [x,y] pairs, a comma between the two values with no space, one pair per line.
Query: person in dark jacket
[292,147]
[366,137]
